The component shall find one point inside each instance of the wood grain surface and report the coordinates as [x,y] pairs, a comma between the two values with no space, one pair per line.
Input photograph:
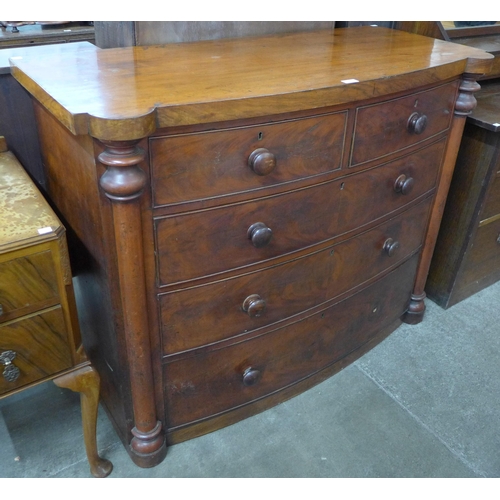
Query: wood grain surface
[125,93]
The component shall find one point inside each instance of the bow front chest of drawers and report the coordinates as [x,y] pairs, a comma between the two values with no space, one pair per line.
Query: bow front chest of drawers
[248,216]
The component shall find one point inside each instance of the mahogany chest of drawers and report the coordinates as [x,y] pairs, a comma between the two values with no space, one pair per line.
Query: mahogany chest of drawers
[248,216]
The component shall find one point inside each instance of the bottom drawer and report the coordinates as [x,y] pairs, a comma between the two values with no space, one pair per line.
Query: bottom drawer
[40,346]
[214,381]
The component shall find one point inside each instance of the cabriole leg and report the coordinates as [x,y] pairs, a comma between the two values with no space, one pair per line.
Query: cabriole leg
[86,381]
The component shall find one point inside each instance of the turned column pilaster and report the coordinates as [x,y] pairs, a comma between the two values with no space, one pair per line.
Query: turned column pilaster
[123,183]
[464,105]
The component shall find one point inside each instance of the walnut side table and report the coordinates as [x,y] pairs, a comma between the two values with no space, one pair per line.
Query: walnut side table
[39,334]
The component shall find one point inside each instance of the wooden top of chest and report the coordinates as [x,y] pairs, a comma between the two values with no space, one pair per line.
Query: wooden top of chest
[126,93]
[25,216]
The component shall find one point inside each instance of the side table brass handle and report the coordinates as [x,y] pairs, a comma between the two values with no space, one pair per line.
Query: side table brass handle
[11,372]
[1,309]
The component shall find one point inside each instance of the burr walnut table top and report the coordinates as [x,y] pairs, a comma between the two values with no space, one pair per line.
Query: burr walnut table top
[126,93]
[26,216]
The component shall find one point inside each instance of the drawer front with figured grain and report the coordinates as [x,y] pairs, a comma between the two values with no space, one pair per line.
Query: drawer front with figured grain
[27,284]
[204,314]
[215,381]
[391,126]
[216,163]
[32,348]
[207,242]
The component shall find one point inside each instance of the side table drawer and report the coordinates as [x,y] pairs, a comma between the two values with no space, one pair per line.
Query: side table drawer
[40,345]
[215,381]
[278,292]
[208,242]
[203,165]
[391,126]
[27,284]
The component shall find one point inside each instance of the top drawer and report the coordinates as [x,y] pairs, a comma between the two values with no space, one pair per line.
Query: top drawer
[26,284]
[391,126]
[203,165]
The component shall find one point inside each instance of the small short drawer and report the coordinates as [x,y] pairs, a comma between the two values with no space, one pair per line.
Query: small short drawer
[27,284]
[207,242]
[40,346]
[216,163]
[245,303]
[391,126]
[214,381]
[492,203]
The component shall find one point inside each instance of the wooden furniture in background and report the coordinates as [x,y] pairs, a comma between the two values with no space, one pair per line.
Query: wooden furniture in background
[44,33]
[109,34]
[250,215]
[486,38]
[39,333]
[467,255]
[17,119]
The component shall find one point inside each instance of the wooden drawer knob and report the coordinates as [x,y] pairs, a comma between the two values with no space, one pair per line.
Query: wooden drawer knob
[260,234]
[417,123]
[403,184]
[390,246]
[251,376]
[11,372]
[254,305]
[262,161]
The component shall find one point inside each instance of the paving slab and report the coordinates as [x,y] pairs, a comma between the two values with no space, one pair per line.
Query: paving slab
[345,427]
[446,373]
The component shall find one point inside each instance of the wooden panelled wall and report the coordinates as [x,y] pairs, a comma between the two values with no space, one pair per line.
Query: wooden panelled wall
[128,33]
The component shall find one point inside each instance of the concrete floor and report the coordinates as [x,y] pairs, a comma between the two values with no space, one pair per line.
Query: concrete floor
[424,403]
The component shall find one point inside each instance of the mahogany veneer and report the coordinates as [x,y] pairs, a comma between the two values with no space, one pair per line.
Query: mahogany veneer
[247,216]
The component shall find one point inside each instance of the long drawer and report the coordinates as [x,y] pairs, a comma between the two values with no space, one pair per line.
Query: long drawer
[203,165]
[40,345]
[394,125]
[214,381]
[207,242]
[238,305]
[27,284]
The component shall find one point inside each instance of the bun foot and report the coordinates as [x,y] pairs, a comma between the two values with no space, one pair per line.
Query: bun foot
[416,309]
